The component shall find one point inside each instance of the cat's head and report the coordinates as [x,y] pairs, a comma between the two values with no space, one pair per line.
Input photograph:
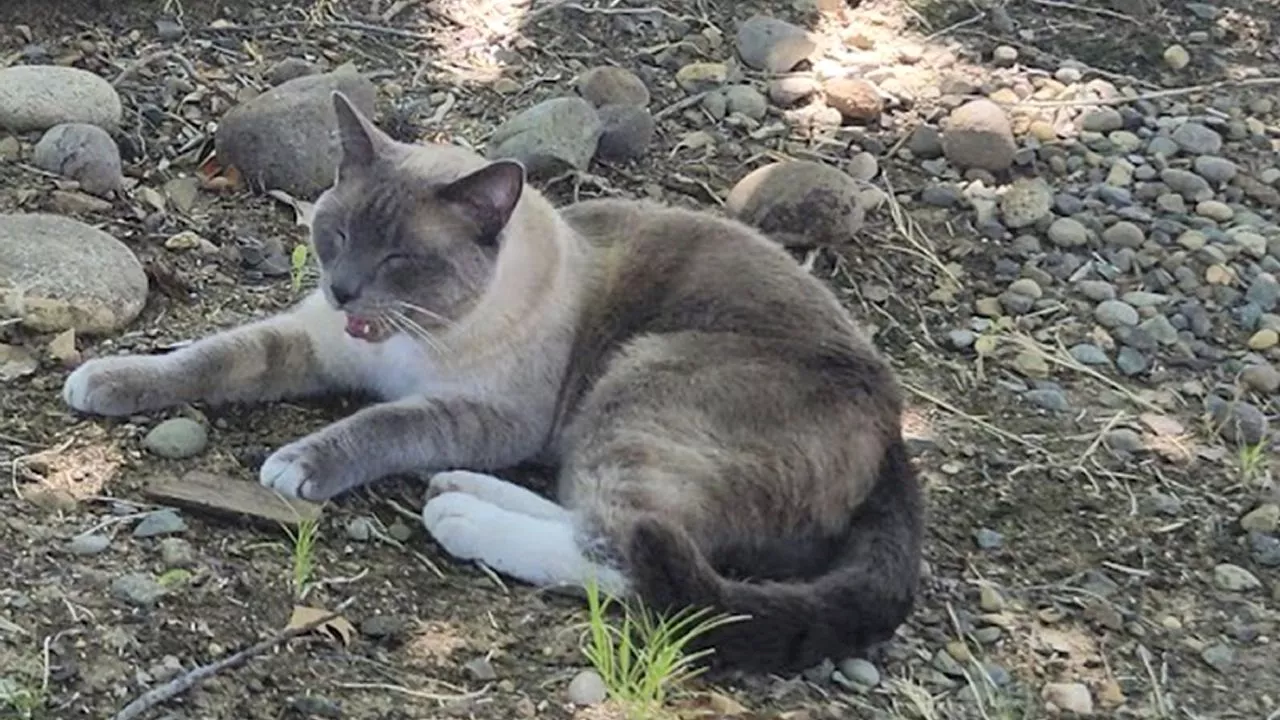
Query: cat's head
[407,246]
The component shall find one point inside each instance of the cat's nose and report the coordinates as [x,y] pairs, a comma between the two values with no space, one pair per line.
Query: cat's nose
[343,294]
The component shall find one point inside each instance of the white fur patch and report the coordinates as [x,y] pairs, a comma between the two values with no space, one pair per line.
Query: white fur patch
[534,550]
[287,471]
[496,491]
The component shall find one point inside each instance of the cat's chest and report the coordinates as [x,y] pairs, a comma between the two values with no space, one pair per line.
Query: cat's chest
[400,368]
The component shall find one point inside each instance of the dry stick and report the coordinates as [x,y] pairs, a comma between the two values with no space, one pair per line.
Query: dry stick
[146,60]
[998,432]
[186,681]
[1085,9]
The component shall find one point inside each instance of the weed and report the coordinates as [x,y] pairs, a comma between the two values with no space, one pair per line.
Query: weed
[304,562]
[642,658]
[298,265]
[1254,464]
[23,693]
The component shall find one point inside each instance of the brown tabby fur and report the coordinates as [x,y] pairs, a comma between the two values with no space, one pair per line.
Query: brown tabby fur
[724,435]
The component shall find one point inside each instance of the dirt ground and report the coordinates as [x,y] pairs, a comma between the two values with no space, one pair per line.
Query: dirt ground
[1093,588]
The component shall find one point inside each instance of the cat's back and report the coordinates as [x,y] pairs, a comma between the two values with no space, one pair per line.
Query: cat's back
[658,268]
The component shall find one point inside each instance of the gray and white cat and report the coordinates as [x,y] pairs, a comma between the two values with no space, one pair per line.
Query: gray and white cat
[725,438]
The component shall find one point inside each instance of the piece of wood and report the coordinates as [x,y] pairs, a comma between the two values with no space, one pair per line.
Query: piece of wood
[223,495]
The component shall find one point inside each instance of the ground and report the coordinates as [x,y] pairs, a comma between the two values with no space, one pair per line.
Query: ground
[1101,558]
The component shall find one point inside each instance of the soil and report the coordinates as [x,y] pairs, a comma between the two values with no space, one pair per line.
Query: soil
[1096,589]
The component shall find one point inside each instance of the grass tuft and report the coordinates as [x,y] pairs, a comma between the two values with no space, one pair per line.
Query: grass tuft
[304,561]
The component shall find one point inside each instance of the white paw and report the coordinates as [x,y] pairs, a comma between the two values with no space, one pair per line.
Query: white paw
[110,386]
[461,523]
[289,471]
[460,481]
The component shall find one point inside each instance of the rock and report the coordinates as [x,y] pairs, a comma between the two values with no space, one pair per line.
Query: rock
[1234,578]
[160,522]
[856,99]
[177,553]
[1264,519]
[746,100]
[701,77]
[861,673]
[1025,202]
[1130,361]
[83,152]
[799,203]
[290,68]
[37,97]
[286,138]
[978,135]
[1215,210]
[608,85]
[384,626]
[990,600]
[1197,139]
[925,142]
[1218,656]
[1176,57]
[1102,119]
[988,539]
[961,338]
[1162,504]
[177,438]
[1264,549]
[1124,234]
[1215,169]
[789,90]
[1123,440]
[1004,56]
[1089,354]
[481,669]
[1071,697]
[91,544]
[360,528]
[72,275]
[1264,339]
[1068,233]
[766,43]
[587,688]
[1261,378]
[137,589]
[1115,313]
[550,137]
[863,166]
[1187,184]
[1239,423]
[626,131]
[16,362]
[1048,398]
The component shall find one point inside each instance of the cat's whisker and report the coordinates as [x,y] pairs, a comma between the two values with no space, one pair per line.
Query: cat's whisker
[405,323]
[429,313]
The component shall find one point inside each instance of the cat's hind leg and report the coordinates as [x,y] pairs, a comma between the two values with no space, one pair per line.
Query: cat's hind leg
[539,551]
[496,491]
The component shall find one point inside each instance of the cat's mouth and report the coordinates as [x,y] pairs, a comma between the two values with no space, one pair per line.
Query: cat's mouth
[367,329]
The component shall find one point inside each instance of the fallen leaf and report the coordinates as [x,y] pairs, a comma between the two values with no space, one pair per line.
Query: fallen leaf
[338,627]
[16,362]
[176,576]
[1162,425]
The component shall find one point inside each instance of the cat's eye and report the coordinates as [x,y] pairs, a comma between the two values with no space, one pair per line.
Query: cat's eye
[397,260]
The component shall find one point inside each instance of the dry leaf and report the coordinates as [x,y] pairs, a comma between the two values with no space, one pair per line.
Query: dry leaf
[339,627]
[1162,425]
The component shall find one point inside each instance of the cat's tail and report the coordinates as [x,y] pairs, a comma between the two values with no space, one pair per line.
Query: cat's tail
[866,593]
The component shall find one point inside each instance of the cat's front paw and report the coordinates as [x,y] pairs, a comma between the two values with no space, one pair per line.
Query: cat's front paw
[305,471]
[461,523]
[114,386]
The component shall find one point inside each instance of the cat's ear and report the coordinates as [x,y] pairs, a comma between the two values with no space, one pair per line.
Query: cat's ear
[360,140]
[488,196]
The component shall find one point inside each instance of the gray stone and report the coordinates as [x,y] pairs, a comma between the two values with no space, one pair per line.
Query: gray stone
[1264,549]
[1187,184]
[1123,440]
[608,85]
[1263,378]
[1115,313]
[1239,423]
[286,138]
[773,45]
[1234,578]
[1197,139]
[791,89]
[553,136]
[961,338]
[1068,232]
[1048,398]
[290,68]
[1124,234]
[1070,697]
[37,97]
[861,673]
[979,135]
[1217,170]
[84,153]
[1089,354]
[988,539]
[1101,120]
[1159,327]
[1219,656]
[1097,290]
[70,275]
[1025,202]
[160,522]
[1264,519]
[1162,504]
[799,203]
[1131,362]
[925,142]
[746,100]
[1163,146]
[177,438]
[177,553]
[1171,203]
[941,195]
[360,528]
[1264,291]
[587,688]
[137,589]
[626,131]
[863,166]
[481,669]
[91,544]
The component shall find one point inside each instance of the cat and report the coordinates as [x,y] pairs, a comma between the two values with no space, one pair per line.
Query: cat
[723,435]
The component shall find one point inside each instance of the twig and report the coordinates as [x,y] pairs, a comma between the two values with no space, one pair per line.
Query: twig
[414,693]
[338,24]
[1085,9]
[998,432]
[186,681]
[679,105]
[157,56]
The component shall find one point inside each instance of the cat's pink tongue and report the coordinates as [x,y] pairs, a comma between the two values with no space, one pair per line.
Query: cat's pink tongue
[357,327]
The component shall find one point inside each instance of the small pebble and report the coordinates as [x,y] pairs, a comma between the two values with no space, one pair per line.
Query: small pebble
[160,522]
[988,539]
[177,439]
[587,688]
[861,673]
[88,544]
[1234,578]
